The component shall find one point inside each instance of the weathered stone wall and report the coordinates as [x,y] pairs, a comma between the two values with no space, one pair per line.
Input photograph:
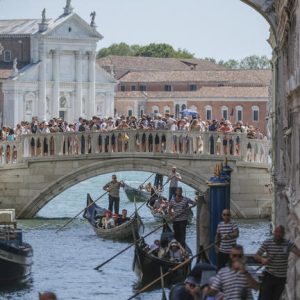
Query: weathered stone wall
[28,187]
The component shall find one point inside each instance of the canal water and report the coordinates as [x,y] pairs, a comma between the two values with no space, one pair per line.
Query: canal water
[64,262]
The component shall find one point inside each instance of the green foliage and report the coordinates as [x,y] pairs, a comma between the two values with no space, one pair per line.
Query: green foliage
[249,62]
[116,49]
[151,50]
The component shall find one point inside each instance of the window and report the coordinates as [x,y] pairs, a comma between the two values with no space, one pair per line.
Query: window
[155,109]
[193,87]
[129,112]
[133,87]
[7,55]
[224,112]
[122,88]
[143,88]
[166,109]
[168,88]
[208,112]
[255,113]
[239,113]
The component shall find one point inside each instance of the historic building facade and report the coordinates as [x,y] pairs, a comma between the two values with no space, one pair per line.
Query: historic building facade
[151,86]
[48,69]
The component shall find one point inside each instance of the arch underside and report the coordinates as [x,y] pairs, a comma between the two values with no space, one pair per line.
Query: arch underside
[266,9]
[190,177]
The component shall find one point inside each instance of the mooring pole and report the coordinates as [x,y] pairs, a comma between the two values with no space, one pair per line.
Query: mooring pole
[218,200]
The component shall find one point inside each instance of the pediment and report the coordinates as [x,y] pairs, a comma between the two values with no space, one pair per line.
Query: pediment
[103,77]
[72,27]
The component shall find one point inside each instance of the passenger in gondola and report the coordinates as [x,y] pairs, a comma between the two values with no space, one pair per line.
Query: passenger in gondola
[123,218]
[188,291]
[116,218]
[158,181]
[108,222]
[176,252]
[161,206]
[153,198]
[154,248]
[163,249]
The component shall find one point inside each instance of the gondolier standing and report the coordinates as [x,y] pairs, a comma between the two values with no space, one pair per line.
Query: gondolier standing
[113,189]
[174,178]
[180,206]
[277,249]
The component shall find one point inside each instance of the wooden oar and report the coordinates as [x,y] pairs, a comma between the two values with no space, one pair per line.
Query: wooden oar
[110,259]
[69,221]
[163,296]
[170,271]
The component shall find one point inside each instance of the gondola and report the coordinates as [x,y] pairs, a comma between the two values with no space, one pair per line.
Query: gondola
[147,266]
[159,216]
[134,194]
[15,255]
[121,232]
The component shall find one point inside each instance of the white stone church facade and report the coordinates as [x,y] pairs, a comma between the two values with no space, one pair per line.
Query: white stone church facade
[58,77]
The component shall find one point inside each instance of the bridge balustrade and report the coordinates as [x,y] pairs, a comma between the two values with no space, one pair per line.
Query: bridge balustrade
[190,144]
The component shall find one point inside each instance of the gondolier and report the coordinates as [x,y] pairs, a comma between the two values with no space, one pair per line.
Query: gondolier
[113,189]
[179,208]
[277,249]
[174,178]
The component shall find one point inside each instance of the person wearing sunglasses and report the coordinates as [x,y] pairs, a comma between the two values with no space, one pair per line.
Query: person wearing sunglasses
[234,280]
[277,250]
[226,236]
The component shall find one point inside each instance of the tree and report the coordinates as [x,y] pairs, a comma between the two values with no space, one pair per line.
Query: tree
[151,50]
[255,62]
[121,49]
[249,62]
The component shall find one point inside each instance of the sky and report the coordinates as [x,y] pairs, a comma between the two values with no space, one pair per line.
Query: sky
[222,29]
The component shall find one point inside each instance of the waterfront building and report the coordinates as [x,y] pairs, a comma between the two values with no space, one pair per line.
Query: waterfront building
[48,69]
[158,85]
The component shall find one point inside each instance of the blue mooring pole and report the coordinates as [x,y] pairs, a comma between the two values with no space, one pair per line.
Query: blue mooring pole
[219,199]
[226,174]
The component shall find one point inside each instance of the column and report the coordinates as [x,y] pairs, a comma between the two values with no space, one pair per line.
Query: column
[56,79]
[78,97]
[217,203]
[42,86]
[91,100]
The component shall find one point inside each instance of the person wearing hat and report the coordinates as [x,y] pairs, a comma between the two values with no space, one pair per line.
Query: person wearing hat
[176,252]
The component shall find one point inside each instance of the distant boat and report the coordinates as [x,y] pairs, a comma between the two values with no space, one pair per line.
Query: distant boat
[147,266]
[15,255]
[137,195]
[121,232]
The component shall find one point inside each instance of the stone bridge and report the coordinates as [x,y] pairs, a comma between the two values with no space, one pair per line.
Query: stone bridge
[36,168]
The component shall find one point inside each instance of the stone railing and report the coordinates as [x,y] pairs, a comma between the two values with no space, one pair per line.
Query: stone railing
[188,144]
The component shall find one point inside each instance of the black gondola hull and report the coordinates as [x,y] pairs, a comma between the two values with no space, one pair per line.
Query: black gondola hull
[15,263]
[148,268]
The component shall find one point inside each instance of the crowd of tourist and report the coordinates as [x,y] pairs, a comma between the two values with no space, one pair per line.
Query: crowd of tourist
[146,122]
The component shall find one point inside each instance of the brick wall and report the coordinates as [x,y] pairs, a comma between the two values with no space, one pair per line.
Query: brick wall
[19,47]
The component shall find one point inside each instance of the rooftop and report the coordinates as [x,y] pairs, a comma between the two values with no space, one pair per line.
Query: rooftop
[21,26]
[248,77]
[124,64]
[203,92]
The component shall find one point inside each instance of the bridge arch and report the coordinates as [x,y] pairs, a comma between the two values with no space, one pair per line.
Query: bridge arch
[190,177]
